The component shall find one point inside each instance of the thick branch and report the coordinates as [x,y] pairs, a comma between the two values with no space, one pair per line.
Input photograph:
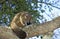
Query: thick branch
[33,30]
[6,33]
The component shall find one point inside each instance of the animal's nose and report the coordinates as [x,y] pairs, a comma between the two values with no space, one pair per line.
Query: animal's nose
[28,23]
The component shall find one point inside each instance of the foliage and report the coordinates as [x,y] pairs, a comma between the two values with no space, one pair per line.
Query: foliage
[11,7]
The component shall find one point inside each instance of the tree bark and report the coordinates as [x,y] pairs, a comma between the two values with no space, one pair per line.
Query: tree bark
[37,29]
[6,33]
[31,30]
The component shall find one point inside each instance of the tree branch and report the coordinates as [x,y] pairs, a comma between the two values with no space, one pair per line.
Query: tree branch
[31,30]
[6,33]
[36,29]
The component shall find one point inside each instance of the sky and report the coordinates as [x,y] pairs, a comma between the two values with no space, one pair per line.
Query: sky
[50,16]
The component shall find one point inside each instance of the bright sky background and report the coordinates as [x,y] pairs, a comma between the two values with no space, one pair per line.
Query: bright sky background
[51,15]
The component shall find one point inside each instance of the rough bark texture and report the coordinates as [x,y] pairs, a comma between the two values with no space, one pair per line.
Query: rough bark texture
[31,30]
